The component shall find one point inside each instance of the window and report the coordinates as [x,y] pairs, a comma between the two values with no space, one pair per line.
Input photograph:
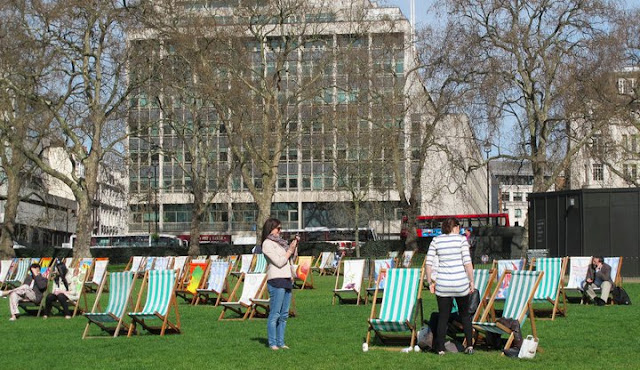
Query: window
[517,197]
[518,212]
[598,172]
[630,172]
[505,196]
[626,85]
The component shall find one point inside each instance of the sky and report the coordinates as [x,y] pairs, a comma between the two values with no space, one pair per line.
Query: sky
[423,14]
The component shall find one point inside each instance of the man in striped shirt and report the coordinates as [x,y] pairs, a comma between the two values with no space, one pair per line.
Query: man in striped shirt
[455,279]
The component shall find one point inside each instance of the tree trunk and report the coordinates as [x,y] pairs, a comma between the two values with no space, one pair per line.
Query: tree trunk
[84,229]
[356,206]
[196,220]
[10,211]
[411,243]
[264,211]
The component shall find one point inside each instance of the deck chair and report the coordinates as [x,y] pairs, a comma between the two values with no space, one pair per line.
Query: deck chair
[246,263]
[179,264]
[216,283]
[136,264]
[120,288]
[550,288]
[407,258]
[516,306]
[261,306]
[304,277]
[234,260]
[324,265]
[261,264]
[21,269]
[5,268]
[353,275]
[149,263]
[400,310]
[188,288]
[377,282]
[160,301]
[97,274]
[161,263]
[81,304]
[253,287]
[505,267]
[578,267]
[483,279]
[616,266]
[45,264]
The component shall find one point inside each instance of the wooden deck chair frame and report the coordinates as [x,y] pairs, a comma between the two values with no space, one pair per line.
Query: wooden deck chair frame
[167,325]
[557,309]
[181,285]
[204,295]
[238,306]
[83,293]
[327,268]
[418,318]
[337,291]
[307,282]
[490,311]
[120,320]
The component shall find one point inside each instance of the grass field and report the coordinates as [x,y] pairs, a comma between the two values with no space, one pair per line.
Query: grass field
[322,336]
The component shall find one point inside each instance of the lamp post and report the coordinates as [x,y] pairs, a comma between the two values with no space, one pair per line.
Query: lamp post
[487,150]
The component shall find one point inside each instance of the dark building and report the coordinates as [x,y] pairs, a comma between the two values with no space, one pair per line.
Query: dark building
[588,222]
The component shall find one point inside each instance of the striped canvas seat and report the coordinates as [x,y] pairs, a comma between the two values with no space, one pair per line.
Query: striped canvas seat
[398,305]
[549,285]
[217,276]
[120,284]
[517,303]
[159,294]
[20,274]
[261,264]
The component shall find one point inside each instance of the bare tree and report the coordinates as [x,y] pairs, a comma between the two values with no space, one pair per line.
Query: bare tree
[84,91]
[529,59]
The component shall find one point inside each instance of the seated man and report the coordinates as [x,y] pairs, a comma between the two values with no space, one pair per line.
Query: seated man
[599,275]
[33,288]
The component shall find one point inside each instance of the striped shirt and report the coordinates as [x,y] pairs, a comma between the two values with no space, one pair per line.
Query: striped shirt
[452,252]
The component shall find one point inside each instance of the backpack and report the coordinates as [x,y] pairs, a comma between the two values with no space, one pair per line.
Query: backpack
[620,296]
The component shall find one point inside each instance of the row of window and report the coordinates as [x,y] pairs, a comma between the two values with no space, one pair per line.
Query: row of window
[516,196]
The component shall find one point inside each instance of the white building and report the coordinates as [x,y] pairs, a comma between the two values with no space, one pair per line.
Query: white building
[611,158]
[308,193]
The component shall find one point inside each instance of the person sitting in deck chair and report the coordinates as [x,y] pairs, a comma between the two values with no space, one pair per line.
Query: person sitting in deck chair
[32,290]
[65,287]
[598,275]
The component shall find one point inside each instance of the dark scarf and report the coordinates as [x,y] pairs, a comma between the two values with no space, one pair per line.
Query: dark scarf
[283,243]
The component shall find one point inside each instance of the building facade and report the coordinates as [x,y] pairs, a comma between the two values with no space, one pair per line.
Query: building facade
[511,184]
[312,189]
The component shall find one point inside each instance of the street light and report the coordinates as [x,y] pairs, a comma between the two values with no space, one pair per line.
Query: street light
[487,150]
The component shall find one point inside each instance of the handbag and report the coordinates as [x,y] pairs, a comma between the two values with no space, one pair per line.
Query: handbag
[474,302]
[529,347]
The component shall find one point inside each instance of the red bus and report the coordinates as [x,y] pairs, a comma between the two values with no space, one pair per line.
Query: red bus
[429,226]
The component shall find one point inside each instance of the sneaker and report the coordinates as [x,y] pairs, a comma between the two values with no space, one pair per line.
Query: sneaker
[468,350]
[13,318]
[67,317]
[44,317]
[441,353]
[599,301]
[284,347]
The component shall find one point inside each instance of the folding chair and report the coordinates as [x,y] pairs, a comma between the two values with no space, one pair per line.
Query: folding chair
[517,303]
[353,275]
[188,288]
[5,268]
[216,283]
[160,300]
[550,288]
[325,263]
[21,269]
[246,263]
[304,277]
[161,263]
[261,264]
[179,264]
[407,258]
[400,307]
[253,287]
[376,281]
[505,267]
[149,263]
[136,264]
[97,275]
[120,288]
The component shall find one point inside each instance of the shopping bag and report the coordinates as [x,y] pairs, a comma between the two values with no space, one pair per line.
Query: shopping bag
[529,347]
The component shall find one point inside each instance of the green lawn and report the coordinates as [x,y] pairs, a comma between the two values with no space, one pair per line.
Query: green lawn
[321,336]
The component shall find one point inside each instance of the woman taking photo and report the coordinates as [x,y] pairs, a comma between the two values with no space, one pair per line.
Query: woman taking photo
[455,280]
[278,254]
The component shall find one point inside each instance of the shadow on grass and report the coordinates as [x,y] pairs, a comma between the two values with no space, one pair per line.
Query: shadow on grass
[262,341]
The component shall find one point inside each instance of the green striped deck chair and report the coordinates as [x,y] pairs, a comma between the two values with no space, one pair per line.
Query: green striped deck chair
[376,283]
[253,286]
[261,264]
[399,308]
[352,277]
[161,298]
[120,288]
[20,274]
[517,304]
[550,288]
[216,283]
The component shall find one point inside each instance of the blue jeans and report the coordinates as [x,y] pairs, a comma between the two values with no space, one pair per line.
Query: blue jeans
[279,301]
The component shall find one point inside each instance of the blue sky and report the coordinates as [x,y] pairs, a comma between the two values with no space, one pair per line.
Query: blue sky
[422,9]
